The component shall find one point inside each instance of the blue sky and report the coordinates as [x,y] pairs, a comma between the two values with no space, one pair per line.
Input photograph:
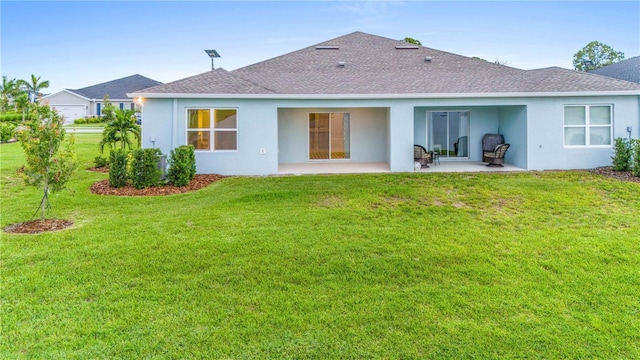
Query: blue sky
[81,43]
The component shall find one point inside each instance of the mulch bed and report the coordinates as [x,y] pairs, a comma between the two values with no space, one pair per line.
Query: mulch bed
[200,181]
[38,226]
[99,169]
[620,175]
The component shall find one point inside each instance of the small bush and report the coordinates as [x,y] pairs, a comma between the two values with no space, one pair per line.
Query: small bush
[118,168]
[7,131]
[80,121]
[100,161]
[636,157]
[182,165]
[622,156]
[144,168]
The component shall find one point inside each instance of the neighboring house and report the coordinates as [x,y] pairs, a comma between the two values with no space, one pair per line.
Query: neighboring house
[87,102]
[628,69]
[362,98]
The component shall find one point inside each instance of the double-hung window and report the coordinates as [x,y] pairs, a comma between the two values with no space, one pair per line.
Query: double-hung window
[212,129]
[587,125]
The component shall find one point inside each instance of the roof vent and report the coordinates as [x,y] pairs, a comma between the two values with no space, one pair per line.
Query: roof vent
[341,64]
[407,47]
[427,59]
[327,47]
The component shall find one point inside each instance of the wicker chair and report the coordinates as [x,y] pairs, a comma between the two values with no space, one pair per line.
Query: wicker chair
[422,156]
[496,157]
[489,144]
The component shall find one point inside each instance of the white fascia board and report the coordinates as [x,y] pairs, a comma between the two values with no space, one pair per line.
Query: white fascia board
[68,92]
[384,96]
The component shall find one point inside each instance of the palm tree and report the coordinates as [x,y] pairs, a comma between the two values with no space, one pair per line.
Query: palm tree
[22,104]
[35,85]
[119,131]
[8,90]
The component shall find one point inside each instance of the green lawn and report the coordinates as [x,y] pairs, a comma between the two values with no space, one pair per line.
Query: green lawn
[417,265]
[84,126]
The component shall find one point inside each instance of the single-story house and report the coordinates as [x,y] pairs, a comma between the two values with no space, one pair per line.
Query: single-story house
[88,101]
[628,69]
[362,98]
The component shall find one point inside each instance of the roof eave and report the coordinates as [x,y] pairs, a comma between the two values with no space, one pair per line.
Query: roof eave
[385,96]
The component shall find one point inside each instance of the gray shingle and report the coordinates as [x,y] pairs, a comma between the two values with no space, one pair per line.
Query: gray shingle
[628,70]
[117,89]
[361,63]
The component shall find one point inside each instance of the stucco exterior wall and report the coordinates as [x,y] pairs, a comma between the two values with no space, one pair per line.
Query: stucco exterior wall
[545,127]
[275,131]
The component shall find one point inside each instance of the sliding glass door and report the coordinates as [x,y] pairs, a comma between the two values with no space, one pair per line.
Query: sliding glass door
[329,136]
[449,133]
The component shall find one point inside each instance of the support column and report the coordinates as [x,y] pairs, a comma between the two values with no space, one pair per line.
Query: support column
[401,138]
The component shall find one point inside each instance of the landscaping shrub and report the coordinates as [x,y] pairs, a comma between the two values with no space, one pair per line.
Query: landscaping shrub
[144,168]
[622,156]
[91,120]
[80,121]
[182,165]
[7,131]
[636,157]
[118,168]
[100,161]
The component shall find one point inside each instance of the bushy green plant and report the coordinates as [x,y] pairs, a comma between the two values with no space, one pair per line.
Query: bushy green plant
[118,132]
[7,131]
[118,168]
[636,157]
[80,121]
[622,156]
[144,168]
[182,165]
[100,161]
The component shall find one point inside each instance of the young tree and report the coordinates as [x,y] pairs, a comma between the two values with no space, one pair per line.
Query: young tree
[108,110]
[22,104]
[120,130]
[47,168]
[595,55]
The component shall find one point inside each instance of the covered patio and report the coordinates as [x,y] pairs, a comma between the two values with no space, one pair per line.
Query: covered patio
[382,167]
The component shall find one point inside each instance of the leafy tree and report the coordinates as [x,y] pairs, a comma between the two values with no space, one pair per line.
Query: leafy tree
[595,55]
[47,168]
[117,133]
[412,41]
[8,90]
[34,85]
[108,110]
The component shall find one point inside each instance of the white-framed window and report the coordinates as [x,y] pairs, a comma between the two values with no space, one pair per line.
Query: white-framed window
[588,125]
[212,129]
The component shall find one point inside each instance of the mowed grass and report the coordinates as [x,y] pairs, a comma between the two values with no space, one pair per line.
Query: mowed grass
[450,266]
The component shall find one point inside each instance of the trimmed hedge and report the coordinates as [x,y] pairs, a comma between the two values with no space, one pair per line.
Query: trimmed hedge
[636,157]
[622,156]
[91,120]
[182,165]
[118,168]
[144,168]
[14,118]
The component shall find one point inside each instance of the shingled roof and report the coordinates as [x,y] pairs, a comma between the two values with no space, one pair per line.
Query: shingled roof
[117,89]
[360,63]
[628,70]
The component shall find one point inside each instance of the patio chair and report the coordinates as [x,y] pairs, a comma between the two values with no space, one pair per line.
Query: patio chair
[422,156]
[489,143]
[496,157]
